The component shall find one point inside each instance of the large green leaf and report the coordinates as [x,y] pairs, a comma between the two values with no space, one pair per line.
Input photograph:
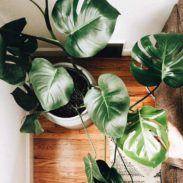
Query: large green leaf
[52,86]
[159,58]
[87,31]
[15,49]
[146,139]
[92,170]
[108,105]
[32,125]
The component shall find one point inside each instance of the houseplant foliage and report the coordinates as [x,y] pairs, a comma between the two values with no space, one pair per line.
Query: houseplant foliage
[41,87]
[160,58]
[108,105]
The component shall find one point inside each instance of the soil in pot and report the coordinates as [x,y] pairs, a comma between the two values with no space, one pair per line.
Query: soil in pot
[81,86]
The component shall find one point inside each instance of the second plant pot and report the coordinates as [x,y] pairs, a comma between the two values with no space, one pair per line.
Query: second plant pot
[66,120]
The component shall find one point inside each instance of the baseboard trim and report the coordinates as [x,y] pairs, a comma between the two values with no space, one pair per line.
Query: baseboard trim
[59,52]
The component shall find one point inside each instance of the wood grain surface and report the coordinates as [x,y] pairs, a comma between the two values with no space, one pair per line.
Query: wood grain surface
[58,153]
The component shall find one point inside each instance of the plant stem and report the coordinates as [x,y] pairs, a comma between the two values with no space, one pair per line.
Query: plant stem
[87,134]
[114,155]
[47,20]
[142,99]
[40,9]
[121,157]
[51,41]
[148,90]
[46,17]
[105,146]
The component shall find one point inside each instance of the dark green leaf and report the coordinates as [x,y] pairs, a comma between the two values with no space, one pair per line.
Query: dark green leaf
[52,86]
[15,25]
[108,106]
[110,174]
[159,58]
[19,57]
[13,74]
[12,34]
[27,100]
[146,139]
[32,125]
[88,31]
[92,170]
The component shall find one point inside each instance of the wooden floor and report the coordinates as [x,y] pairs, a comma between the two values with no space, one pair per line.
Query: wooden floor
[58,153]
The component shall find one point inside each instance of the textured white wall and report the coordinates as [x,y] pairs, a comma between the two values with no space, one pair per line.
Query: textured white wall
[138,18]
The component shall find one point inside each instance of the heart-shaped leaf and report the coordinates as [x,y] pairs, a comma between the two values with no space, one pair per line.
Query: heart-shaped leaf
[99,172]
[92,170]
[88,31]
[52,86]
[32,125]
[146,139]
[159,58]
[108,105]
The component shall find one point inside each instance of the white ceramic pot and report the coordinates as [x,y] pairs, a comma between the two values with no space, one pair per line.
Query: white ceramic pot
[15,147]
[73,122]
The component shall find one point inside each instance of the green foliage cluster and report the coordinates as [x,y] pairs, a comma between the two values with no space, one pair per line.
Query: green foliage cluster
[41,87]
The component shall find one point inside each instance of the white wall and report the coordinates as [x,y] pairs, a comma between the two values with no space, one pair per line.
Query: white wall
[14,160]
[138,18]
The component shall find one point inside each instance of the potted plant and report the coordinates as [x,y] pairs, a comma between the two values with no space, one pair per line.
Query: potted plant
[142,133]
[58,88]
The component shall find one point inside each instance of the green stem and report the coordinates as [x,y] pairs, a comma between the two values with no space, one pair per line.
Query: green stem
[105,147]
[87,134]
[115,155]
[51,41]
[46,17]
[40,9]
[121,157]
[47,20]
[142,99]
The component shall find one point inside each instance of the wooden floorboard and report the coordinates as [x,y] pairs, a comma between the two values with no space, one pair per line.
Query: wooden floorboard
[59,152]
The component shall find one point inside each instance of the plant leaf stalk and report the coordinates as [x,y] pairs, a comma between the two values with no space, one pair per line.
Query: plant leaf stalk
[105,148]
[114,161]
[86,132]
[46,17]
[142,99]
[121,157]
